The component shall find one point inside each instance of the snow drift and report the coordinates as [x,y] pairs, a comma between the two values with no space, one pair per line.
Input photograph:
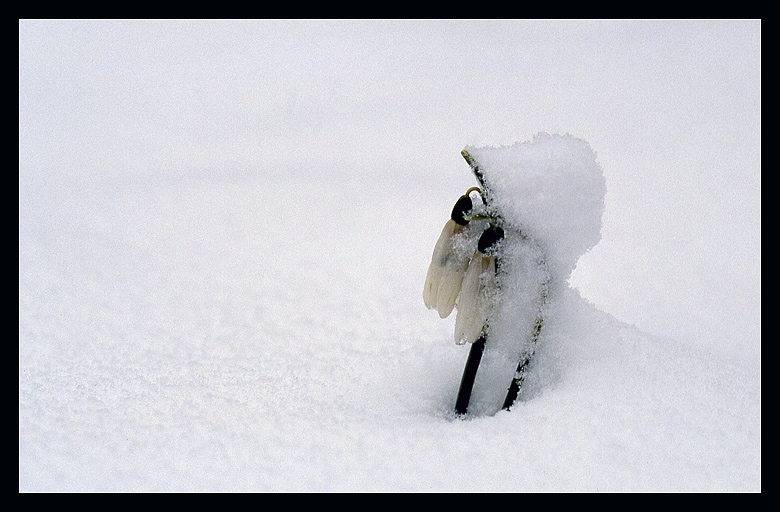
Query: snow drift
[259,336]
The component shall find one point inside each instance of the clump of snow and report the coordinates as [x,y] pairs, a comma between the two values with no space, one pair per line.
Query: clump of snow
[548,195]
[518,306]
[552,189]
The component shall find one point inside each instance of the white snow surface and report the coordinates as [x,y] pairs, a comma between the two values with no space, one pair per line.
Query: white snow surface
[222,291]
[552,189]
[211,336]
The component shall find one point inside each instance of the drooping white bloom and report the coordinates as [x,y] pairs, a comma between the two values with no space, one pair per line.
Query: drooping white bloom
[446,271]
[474,302]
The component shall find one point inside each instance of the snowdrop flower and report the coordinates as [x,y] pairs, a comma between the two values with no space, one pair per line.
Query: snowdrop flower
[478,288]
[450,259]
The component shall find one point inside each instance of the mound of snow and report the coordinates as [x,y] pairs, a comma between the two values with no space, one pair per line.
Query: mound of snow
[552,189]
[548,196]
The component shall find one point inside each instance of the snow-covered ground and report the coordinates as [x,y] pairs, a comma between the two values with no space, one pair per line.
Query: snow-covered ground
[224,230]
